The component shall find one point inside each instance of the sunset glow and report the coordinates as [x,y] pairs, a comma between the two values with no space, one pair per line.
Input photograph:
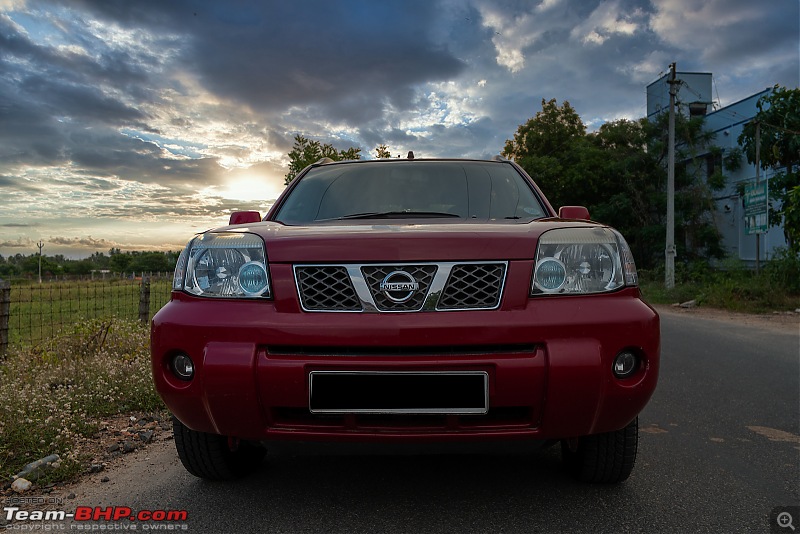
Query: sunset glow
[132,124]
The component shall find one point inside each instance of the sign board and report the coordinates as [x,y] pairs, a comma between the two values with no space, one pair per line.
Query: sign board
[756,208]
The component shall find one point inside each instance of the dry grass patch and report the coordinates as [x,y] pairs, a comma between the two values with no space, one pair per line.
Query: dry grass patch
[55,396]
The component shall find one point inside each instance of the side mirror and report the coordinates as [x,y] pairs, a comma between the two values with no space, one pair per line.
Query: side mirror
[245,217]
[573,212]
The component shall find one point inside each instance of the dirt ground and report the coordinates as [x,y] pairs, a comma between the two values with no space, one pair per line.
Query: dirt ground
[780,321]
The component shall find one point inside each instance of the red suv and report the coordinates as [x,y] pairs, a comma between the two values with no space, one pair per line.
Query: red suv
[407,301]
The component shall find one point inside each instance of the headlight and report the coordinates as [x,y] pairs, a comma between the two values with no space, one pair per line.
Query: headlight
[180,268]
[582,260]
[223,265]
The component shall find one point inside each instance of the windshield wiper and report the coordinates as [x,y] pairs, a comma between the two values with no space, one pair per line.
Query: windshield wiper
[396,215]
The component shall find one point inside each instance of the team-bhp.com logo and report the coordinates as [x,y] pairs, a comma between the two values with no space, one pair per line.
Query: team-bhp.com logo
[125,517]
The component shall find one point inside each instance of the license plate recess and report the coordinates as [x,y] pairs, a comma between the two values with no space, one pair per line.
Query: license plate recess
[387,392]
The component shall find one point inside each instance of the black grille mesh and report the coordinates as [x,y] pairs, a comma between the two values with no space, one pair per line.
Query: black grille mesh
[469,286]
[326,288]
[473,286]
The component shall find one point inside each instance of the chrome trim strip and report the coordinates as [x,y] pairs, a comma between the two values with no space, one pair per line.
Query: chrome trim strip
[411,411]
[431,301]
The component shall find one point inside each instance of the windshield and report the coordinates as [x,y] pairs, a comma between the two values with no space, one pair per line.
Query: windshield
[446,190]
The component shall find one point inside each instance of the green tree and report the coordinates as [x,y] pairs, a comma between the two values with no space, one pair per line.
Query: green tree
[541,146]
[50,266]
[619,174]
[632,195]
[698,174]
[151,262]
[779,118]
[382,152]
[8,268]
[100,260]
[79,267]
[306,151]
[120,262]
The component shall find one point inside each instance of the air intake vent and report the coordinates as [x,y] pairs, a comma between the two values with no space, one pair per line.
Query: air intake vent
[382,288]
[326,288]
[473,286]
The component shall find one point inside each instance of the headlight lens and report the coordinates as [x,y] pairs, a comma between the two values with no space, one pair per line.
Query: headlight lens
[180,268]
[581,261]
[223,265]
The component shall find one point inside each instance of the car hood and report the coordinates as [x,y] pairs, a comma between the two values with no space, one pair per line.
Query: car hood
[402,242]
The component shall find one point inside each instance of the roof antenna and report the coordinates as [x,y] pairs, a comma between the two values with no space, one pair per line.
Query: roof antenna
[410,154]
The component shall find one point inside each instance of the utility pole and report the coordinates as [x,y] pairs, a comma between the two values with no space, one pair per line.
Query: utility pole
[40,244]
[669,252]
[758,182]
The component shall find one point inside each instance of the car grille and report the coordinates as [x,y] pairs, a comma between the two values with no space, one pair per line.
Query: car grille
[473,286]
[441,286]
[326,288]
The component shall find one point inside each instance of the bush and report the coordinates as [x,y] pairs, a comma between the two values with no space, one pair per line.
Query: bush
[784,271]
[730,285]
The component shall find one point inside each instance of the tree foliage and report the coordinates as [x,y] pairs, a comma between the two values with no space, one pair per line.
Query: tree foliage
[382,152]
[539,146]
[619,173]
[20,265]
[779,119]
[307,151]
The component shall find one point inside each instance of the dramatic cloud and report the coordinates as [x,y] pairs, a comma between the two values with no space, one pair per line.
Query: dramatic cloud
[747,47]
[21,242]
[88,242]
[142,122]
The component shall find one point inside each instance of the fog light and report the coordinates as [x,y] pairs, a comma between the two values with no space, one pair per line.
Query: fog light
[625,364]
[182,366]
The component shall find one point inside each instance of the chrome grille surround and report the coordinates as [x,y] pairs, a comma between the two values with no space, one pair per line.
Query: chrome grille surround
[443,286]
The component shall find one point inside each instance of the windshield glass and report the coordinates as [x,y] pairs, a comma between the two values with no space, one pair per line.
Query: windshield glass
[446,190]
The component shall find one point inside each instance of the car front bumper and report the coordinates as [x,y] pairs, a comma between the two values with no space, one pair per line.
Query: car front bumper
[547,363]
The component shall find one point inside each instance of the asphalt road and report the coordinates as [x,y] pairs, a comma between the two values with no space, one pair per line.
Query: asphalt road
[719,450]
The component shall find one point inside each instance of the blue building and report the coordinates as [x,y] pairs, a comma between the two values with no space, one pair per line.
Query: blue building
[694,98]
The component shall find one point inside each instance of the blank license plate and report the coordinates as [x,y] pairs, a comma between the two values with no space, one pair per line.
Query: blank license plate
[452,392]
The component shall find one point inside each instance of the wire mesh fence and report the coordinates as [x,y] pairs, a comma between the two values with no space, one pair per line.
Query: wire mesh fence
[31,312]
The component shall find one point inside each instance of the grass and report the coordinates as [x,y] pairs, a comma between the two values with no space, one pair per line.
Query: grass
[730,286]
[40,311]
[55,394]
[728,296]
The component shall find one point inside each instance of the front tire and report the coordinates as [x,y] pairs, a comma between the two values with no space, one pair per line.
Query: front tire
[211,456]
[603,458]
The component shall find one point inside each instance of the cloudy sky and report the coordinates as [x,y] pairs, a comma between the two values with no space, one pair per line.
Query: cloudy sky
[134,124]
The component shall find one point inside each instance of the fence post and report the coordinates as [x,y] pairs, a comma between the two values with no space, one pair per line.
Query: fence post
[144,301]
[5,315]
